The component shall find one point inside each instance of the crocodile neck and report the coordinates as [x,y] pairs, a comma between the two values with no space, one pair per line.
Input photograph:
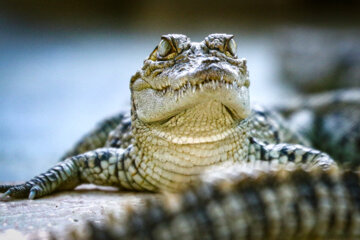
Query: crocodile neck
[199,137]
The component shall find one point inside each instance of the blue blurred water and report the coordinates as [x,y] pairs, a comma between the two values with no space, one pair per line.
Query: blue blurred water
[54,87]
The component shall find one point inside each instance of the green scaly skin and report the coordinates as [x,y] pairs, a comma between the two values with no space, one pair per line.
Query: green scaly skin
[190,111]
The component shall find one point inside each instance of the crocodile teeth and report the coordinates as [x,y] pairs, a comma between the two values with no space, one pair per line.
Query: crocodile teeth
[183,89]
[201,87]
[212,83]
[188,84]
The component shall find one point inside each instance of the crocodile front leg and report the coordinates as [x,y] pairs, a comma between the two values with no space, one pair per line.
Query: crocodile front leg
[64,175]
[284,153]
[104,166]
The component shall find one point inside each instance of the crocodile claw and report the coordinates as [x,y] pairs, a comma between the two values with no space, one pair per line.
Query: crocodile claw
[4,188]
[15,191]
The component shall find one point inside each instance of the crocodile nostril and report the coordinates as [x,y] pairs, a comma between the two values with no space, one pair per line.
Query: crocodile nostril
[211,60]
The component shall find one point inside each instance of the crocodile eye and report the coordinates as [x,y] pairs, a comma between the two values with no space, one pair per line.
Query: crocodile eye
[164,48]
[231,47]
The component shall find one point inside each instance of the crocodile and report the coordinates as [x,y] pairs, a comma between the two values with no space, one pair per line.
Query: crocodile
[262,199]
[190,114]
[190,110]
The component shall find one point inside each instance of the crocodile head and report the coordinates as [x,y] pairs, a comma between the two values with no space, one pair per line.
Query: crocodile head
[180,75]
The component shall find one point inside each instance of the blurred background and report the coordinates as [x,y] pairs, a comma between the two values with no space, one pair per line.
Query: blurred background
[65,65]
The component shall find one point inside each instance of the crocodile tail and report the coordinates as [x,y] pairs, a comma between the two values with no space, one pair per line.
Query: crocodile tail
[276,204]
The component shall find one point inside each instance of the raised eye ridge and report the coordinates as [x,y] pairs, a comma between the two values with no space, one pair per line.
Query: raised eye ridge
[223,43]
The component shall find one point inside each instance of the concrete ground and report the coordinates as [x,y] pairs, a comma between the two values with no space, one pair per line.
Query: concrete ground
[34,219]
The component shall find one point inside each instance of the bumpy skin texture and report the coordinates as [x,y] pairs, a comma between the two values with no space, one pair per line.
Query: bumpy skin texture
[268,203]
[331,121]
[190,111]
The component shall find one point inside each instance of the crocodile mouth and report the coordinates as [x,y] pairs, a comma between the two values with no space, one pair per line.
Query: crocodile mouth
[201,85]
[190,90]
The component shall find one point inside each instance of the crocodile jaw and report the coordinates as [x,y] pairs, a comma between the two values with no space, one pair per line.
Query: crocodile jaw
[157,106]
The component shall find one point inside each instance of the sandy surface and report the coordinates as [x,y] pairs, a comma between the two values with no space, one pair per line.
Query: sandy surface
[27,219]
